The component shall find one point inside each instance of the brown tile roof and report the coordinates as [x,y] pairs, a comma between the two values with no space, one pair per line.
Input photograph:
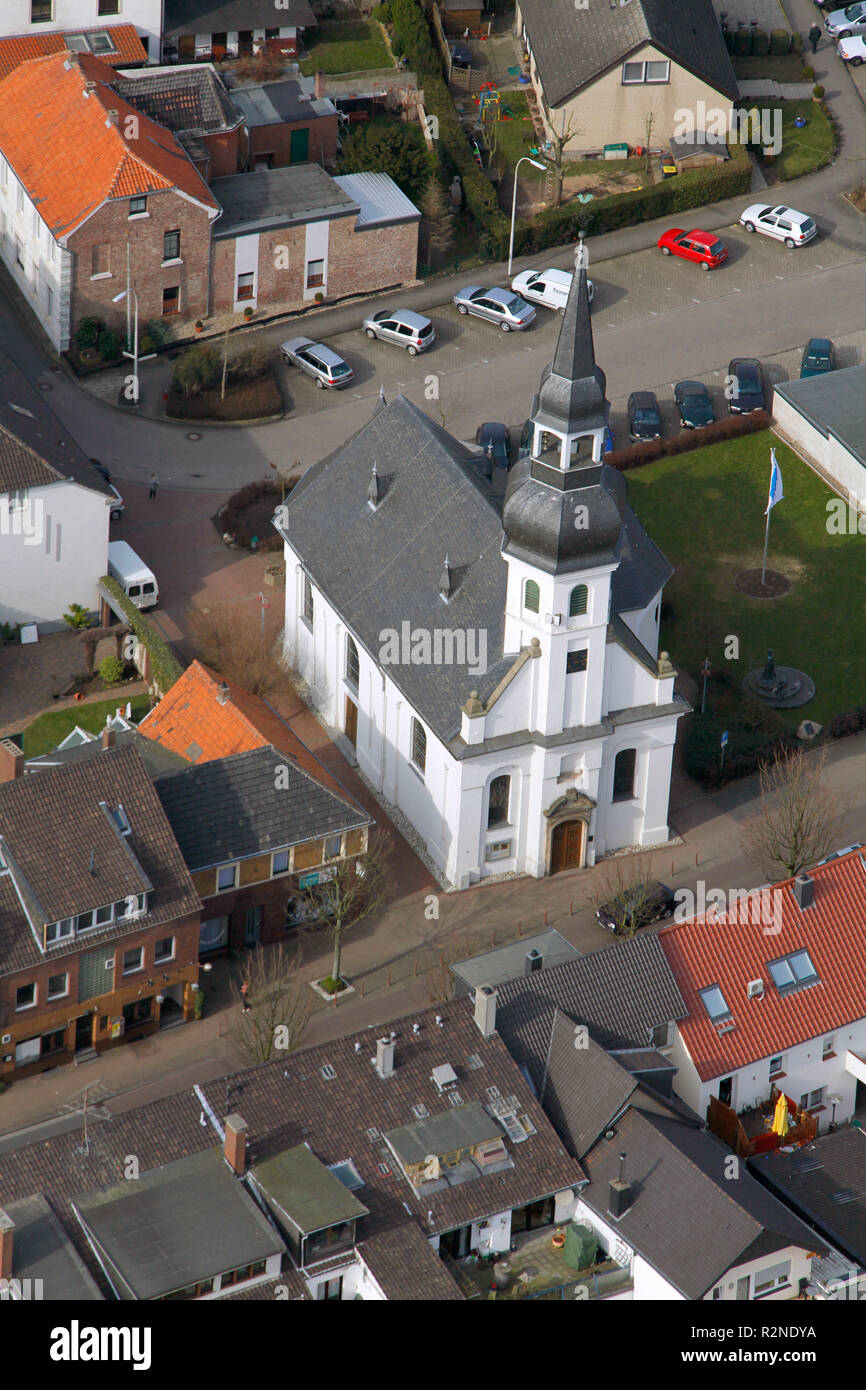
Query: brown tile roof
[730,950]
[289,1102]
[190,721]
[272,1290]
[70,157]
[22,48]
[21,467]
[67,854]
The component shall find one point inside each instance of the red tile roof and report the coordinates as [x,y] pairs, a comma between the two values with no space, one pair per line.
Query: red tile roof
[190,721]
[56,135]
[20,48]
[730,950]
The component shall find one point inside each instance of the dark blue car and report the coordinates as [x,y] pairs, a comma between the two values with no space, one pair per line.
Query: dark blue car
[819,355]
[694,404]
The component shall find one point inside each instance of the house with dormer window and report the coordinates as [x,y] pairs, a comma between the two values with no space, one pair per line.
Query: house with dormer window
[99,917]
[773,1003]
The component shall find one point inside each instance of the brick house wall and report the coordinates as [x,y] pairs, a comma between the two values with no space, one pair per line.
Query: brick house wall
[49,1016]
[276,141]
[228,152]
[111,225]
[359,262]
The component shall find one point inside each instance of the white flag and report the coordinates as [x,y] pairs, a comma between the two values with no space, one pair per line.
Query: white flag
[776,493]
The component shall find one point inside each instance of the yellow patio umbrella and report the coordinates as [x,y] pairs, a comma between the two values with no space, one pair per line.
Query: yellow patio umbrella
[780,1118]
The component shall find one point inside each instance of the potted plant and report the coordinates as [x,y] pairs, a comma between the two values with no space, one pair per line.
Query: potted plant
[198,325]
[319,297]
[808,73]
[818,92]
[248,312]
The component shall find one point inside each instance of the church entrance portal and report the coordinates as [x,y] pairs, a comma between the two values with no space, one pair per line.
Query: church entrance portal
[566,846]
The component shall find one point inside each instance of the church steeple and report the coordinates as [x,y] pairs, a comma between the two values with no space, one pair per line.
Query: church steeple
[564,506]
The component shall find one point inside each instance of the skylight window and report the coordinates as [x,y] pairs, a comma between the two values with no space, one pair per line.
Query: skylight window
[796,969]
[714,1003]
[347,1174]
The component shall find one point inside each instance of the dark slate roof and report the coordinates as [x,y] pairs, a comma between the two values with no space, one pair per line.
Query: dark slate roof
[573,388]
[573,46]
[406,1267]
[156,758]
[274,1290]
[807,1179]
[53,829]
[35,449]
[508,962]
[620,992]
[217,16]
[42,1250]
[642,1059]
[235,807]
[833,403]
[642,571]
[278,198]
[193,101]
[175,1225]
[380,568]
[272,103]
[583,1089]
[687,1220]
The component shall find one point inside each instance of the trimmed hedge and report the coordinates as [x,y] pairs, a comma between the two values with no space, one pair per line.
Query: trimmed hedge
[780,42]
[689,190]
[760,43]
[848,722]
[731,427]
[166,668]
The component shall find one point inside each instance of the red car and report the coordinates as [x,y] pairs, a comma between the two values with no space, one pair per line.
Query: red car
[702,247]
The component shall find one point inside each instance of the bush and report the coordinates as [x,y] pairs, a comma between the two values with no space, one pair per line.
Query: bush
[196,370]
[146,344]
[742,43]
[731,427]
[248,513]
[248,363]
[109,345]
[332,986]
[158,334]
[77,617]
[729,39]
[87,333]
[848,722]
[760,43]
[746,749]
[808,74]
[165,667]
[780,42]
[397,149]
[818,91]
[383,12]
[111,670]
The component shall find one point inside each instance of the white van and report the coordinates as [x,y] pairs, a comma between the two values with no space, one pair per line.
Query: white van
[132,574]
[547,287]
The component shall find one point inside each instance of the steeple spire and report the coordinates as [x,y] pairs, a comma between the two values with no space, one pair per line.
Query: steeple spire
[572,395]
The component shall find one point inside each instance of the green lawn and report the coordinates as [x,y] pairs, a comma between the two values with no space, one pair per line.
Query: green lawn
[719,532]
[354,46]
[513,137]
[774,67]
[806,149]
[44,734]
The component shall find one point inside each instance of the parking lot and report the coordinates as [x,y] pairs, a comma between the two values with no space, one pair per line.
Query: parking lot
[630,290]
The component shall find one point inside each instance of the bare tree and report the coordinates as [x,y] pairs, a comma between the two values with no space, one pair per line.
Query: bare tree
[558,142]
[648,124]
[276,1004]
[227,637]
[800,817]
[629,894]
[438,221]
[355,889]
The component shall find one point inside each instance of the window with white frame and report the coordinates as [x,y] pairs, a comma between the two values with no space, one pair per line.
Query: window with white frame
[227,877]
[333,845]
[772,1279]
[163,950]
[133,960]
[58,931]
[419,746]
[827,1049]
[246,285]
[25,996]
[775,1065]
[308,601]
[662,1035]
[654,71]
[58,985]
[280,862]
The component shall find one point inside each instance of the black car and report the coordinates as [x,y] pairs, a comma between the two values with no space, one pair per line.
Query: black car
[694,404]
[745,388]
[493,439]
[636,907]
[644,417]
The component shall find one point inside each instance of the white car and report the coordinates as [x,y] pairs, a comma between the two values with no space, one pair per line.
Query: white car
[783,223]
[853,50]
[850,20]
[547,287]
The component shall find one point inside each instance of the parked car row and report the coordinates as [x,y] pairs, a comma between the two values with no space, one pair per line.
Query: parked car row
[709,251]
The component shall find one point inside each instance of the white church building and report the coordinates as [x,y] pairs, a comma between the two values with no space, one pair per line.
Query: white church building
[494,664]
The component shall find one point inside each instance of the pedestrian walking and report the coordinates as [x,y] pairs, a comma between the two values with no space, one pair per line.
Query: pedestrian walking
[154,484]
[814,37]
[244,990]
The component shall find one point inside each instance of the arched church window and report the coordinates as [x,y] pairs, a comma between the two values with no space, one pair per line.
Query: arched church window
[352,664]
[419,746]
[497,804]
[531,596]
[623,774]
[577,601]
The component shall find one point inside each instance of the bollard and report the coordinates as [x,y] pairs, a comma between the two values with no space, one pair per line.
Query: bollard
[389,979]
[363,988]
[441,957]
[415,971]
[545,916]
[494,938]
[696,859]
[520,928]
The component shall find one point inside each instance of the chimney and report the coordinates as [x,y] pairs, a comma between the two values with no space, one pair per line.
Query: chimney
[485,1010]
[112,117]
[804,891]
[533,962]
[619,1195]
[385,1057]
[222,693]
[7,1235]
[235,1151]
[11,760]
[108,738]
[320,85]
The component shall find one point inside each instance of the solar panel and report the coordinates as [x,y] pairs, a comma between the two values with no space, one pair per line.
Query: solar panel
[846,1194]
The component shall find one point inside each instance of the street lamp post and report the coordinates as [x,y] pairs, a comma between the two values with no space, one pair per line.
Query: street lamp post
[536,164]
[118,298]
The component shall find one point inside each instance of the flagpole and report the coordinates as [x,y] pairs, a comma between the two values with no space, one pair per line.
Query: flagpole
[766,543]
